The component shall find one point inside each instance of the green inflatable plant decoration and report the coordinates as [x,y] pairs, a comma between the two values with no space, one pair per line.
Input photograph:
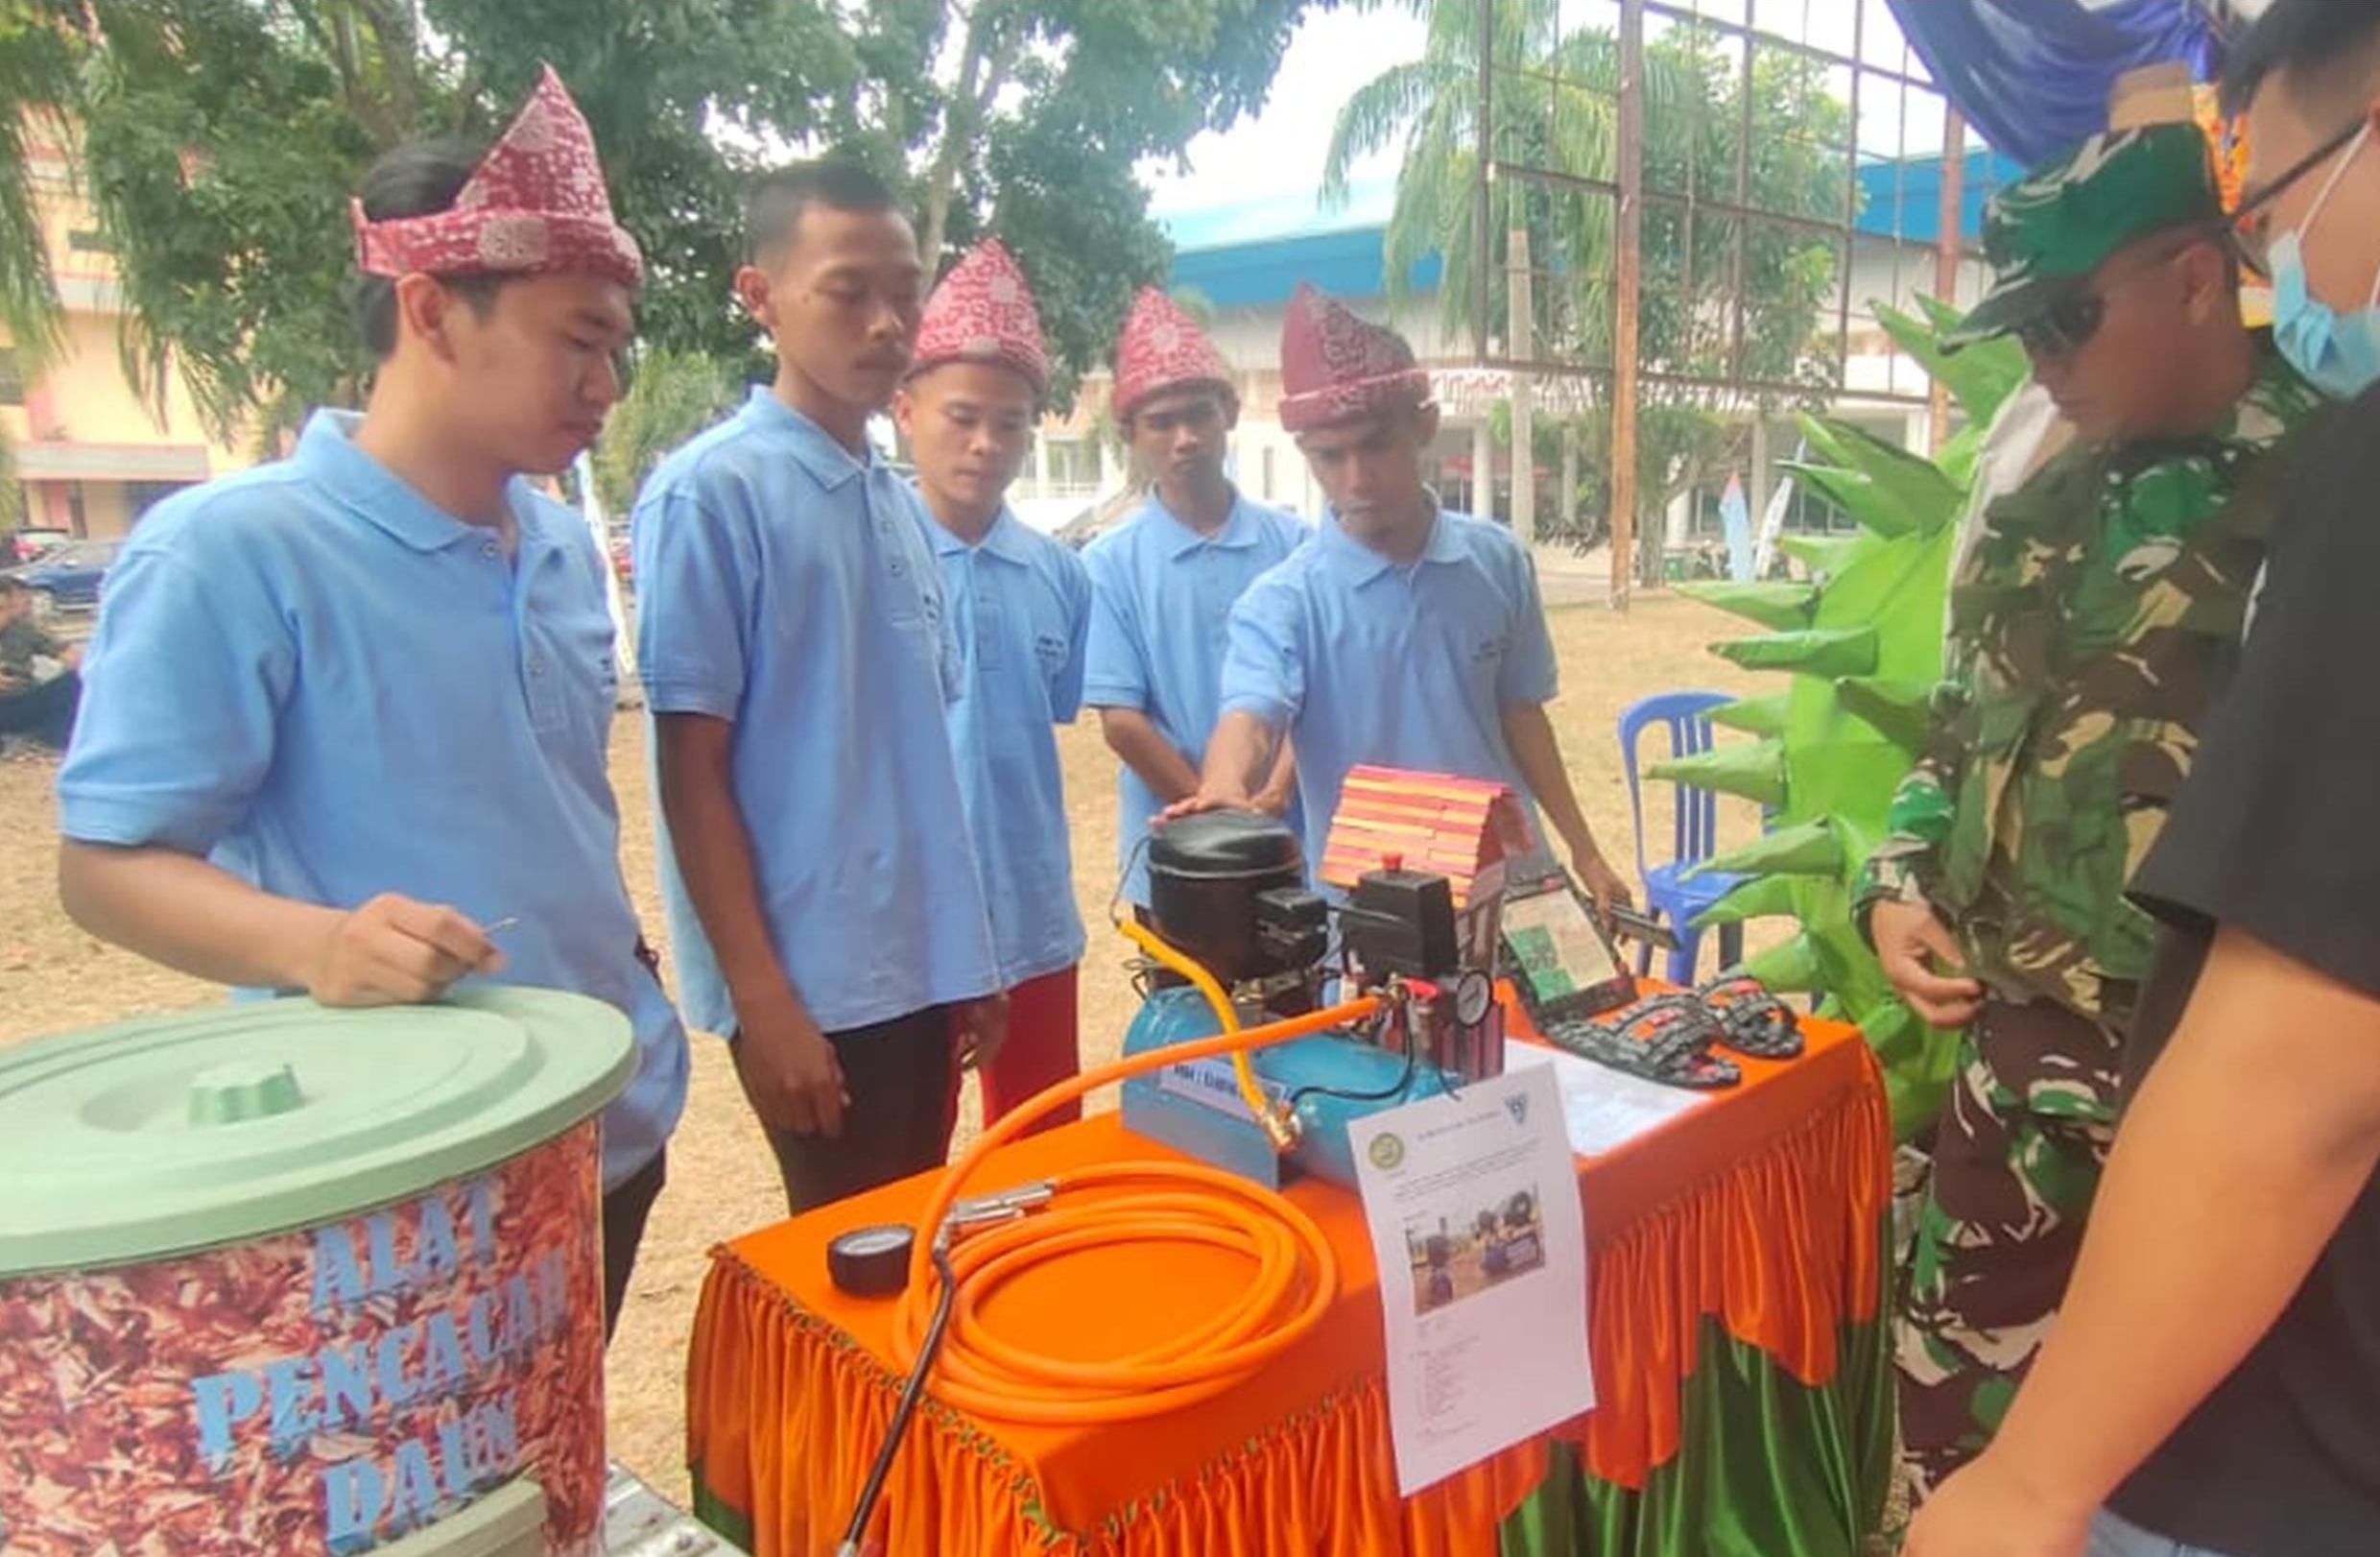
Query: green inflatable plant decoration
[1863,645]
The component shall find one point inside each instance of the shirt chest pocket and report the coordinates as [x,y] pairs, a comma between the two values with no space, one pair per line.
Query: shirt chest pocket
[571,670]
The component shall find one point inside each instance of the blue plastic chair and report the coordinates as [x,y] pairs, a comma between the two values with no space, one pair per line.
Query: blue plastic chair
[1669,894]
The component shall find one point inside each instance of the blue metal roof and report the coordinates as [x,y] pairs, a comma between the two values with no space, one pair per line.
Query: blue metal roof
[1901,196]
[1345,264]
[1229,258]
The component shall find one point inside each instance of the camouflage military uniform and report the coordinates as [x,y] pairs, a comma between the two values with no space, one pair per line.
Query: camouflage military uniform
[2089,626]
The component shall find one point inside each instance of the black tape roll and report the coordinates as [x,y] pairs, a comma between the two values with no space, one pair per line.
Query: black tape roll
[871,1261]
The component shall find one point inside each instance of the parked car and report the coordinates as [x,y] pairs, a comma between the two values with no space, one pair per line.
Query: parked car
[33,542]
[68,577]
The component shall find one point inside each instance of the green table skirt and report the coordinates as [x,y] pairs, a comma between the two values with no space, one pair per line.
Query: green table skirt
[1766,1467]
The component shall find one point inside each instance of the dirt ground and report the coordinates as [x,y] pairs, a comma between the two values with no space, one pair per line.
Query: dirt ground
[721,1182]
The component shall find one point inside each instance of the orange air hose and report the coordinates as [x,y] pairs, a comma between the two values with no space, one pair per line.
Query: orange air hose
[1279,1126]
[1295,1281]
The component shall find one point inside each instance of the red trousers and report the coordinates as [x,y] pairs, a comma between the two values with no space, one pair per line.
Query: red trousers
[1040,1050]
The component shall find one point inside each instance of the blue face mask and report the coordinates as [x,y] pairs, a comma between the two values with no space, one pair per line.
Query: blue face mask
[2338,353]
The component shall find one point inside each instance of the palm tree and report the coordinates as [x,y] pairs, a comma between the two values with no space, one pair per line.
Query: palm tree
[1555,106]
[37,81]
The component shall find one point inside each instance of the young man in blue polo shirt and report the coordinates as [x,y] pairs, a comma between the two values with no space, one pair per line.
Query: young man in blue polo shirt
[1405,634]
[1021,604]
[825,909]
[343,711]
[1164,580]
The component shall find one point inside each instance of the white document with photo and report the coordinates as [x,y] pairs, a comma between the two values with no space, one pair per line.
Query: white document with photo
[1473,1205]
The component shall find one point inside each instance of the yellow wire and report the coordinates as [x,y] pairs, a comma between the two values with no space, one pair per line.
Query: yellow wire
[1280,1127]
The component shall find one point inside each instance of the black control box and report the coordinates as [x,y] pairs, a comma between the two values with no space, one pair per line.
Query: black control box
[1403,922]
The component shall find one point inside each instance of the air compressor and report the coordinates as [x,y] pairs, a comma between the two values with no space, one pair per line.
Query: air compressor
[1228,894]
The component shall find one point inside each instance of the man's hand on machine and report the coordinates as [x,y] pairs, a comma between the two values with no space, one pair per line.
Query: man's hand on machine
[788,1067]
[1908,938]
[980,1027]
[1209,799]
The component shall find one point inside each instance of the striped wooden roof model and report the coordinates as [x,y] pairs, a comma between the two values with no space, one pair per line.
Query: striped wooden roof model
[1434,822]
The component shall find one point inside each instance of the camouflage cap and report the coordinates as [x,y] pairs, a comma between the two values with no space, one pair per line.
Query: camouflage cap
[2052,228]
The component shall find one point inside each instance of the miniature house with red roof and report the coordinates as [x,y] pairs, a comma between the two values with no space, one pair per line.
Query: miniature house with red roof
[1463,829]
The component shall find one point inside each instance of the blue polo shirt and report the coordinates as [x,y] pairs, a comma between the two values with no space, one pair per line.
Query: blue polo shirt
[785,584]
[1161,595]
[1021,605]
[315,677]
[1362,660]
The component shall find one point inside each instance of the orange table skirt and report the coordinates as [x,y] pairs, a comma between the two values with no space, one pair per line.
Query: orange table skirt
[1763,1209]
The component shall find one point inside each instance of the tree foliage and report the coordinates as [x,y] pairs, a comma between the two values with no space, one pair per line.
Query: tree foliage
[674,396]
[1728,308]
[220,140]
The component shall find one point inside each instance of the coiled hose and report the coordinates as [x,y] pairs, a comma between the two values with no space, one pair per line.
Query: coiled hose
[1295,1277]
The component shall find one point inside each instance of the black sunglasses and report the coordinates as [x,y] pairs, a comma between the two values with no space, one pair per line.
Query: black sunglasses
[2065,327]
[2253,251]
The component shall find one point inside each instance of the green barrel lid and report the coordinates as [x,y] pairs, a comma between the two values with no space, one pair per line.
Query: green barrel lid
[174,1134]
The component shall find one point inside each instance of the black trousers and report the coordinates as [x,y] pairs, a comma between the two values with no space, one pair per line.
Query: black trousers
[45,712]
[903,1081]
[624,1211]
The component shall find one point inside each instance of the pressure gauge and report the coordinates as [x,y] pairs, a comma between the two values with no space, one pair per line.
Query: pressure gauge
[1473,995]
[871,1261]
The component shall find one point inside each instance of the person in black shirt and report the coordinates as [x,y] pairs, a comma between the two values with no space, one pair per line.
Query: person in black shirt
[2213,1384]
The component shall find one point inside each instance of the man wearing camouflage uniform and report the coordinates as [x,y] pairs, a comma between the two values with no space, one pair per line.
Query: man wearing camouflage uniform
[2089,624]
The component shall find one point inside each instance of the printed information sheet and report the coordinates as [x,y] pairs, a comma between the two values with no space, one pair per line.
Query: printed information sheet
[1473,1205]
[1603,1109]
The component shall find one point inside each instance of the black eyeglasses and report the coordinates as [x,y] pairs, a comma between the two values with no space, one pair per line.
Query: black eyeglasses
[2248,235]
[2065,327]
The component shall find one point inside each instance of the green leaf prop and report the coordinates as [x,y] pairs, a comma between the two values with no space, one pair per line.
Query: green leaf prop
[1775,604]
[1863,654]
[1763,896]
[1817,651]
[1754,770]
[1759,717]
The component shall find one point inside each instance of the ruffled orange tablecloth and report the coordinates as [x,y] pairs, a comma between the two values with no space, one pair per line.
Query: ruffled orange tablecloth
[1761,1211]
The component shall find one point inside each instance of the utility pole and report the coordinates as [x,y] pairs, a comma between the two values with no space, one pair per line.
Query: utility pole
[1627,269]
[1520,345]
[1949,217]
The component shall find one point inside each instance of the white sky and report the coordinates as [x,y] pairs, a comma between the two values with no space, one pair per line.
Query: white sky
[1277,154]
[1274,159]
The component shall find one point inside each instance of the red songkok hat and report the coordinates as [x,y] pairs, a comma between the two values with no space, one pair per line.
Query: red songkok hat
[1162,349]
[1335,365]
[983,312]
[535,206]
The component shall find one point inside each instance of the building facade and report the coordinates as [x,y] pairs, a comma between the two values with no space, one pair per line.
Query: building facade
[92,454]
[1241,266]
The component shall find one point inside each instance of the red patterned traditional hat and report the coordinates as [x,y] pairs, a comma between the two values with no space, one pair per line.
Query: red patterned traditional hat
[1335,365]
[983,312]
[1162,349]
[536,205]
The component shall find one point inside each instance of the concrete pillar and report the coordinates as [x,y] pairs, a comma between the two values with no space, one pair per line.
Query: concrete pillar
[1676,523]
[1570,478]
[1761,483]
[1041,464]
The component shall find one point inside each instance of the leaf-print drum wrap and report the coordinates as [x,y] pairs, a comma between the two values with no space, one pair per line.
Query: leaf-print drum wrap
[321,1391]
